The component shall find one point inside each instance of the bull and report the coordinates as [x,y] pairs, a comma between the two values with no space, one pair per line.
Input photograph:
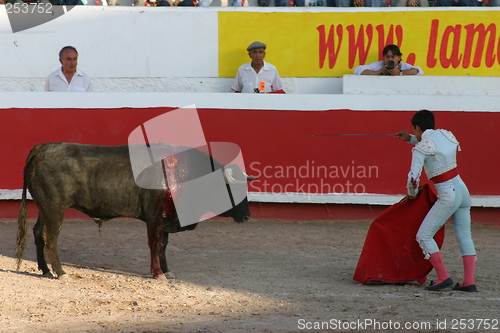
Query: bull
[99,182]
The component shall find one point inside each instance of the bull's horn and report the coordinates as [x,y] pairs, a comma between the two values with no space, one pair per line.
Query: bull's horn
[250,178]
[228,172]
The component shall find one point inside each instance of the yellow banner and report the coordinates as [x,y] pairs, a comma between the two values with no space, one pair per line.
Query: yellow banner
[329,44]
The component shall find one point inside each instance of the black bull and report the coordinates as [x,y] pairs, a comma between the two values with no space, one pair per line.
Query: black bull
[99,181]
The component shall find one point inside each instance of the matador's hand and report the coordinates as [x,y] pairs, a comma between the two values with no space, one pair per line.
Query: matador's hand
[403,135]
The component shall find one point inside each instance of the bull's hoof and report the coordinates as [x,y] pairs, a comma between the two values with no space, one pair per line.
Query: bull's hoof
[63,277]
[160,277]
[170,276]
[48,275]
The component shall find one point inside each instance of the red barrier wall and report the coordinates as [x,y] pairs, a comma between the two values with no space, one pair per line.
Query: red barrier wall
[277,145]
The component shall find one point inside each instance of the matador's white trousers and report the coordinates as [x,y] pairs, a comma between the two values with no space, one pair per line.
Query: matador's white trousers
[453,200]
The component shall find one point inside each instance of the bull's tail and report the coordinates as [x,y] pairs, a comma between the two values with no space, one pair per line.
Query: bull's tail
[23,215]
[21,229]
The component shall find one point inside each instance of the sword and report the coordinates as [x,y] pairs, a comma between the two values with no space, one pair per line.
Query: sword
[352,135]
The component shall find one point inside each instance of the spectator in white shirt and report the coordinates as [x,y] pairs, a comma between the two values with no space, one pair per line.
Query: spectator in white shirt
[68,78]
[257,76]
[391,65]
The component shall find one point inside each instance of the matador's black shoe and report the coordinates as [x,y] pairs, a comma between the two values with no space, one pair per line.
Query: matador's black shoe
[471,289]
[436,287]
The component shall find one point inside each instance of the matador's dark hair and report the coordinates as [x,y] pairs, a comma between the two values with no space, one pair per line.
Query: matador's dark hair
[423,119]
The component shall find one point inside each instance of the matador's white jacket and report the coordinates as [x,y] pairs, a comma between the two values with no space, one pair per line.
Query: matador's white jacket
[436,152]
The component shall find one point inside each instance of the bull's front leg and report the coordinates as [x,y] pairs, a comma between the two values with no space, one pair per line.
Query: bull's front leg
[155,242]
[163,257]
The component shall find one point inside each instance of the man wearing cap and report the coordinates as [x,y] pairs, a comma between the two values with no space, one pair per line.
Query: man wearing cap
[257,76]
[68,78]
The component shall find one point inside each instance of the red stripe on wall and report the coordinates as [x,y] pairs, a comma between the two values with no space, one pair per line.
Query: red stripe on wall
[277,146]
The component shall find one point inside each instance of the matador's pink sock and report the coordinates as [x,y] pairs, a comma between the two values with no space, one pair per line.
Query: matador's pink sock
[437,262]
[469,267]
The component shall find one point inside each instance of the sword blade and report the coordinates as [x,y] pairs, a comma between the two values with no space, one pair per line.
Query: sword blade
[352,134]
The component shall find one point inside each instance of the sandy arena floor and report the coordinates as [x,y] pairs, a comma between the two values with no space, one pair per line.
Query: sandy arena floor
[261,276]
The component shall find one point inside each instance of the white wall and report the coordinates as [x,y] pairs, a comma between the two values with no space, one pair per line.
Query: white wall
[421,85]
[169,84]
[292,102]
[116,42]
[349,84]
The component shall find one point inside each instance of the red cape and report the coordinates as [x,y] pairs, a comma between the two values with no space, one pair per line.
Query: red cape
[391,254]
